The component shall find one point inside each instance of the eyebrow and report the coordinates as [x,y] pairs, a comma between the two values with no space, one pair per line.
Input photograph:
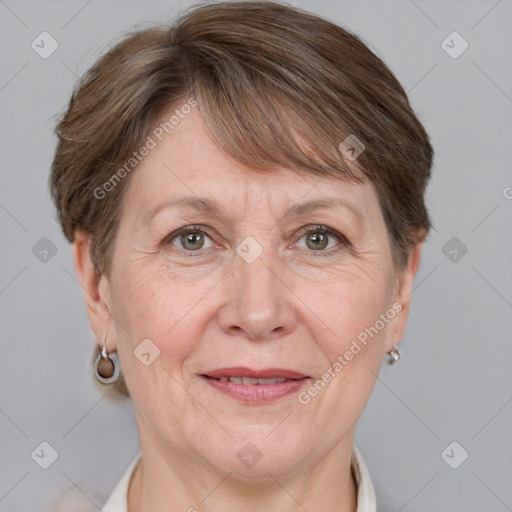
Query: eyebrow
[208,206]
[216,209]
[317,204]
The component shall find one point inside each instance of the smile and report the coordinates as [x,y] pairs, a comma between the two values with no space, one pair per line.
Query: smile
[255,385]
[250,381]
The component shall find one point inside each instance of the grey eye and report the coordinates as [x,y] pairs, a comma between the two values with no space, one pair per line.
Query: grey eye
[192,240]
[320,239]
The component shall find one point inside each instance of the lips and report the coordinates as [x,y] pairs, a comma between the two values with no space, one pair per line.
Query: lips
[255,386]
[243,375]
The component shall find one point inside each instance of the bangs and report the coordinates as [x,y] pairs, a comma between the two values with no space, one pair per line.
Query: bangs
[265,116]
[262,129]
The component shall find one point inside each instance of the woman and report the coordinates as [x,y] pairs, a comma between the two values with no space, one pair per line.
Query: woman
[245,195]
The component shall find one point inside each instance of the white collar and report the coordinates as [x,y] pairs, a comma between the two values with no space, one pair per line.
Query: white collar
[366,502]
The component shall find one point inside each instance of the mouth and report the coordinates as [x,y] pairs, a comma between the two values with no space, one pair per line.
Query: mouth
[255,385]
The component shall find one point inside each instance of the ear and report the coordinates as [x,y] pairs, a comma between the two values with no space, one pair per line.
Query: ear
[403,293]
[95,288]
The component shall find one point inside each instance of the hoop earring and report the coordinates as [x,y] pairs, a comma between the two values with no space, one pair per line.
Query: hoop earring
[106,367]
[394,354]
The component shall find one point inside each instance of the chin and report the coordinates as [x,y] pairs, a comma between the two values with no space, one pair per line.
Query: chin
[254,451]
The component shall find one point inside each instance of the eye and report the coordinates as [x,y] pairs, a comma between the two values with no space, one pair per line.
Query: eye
[190,239]
[319,239]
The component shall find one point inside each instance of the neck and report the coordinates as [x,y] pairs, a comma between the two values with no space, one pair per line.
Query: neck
[162,478]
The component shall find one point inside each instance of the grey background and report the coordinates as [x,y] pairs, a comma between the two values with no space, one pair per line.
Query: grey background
[454,381]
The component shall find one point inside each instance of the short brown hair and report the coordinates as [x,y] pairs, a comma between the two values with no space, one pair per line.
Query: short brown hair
[276,86]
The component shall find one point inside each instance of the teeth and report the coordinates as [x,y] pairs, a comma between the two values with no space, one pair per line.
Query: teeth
[251,381]
[270,381]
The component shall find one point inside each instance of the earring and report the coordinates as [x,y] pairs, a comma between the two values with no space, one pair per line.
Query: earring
[394,354]
[106,367]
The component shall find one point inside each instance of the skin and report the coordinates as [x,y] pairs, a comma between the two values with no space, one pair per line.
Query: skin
[289,308]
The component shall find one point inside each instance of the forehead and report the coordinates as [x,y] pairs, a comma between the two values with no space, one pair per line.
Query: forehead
[188,163]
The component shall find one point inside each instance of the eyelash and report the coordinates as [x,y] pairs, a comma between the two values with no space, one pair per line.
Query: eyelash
[317,228]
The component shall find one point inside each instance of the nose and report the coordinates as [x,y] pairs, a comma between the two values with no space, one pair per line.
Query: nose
[260,303]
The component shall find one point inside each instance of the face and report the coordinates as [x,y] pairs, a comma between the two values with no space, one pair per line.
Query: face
[267,282]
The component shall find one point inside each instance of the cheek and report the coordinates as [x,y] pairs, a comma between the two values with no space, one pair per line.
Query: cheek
[347,305]
[353,350]
[157,306]
[162,319]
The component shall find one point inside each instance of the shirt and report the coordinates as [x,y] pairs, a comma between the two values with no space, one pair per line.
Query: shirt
[366,502]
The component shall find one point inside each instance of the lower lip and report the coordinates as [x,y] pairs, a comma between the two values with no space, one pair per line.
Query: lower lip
[257,392]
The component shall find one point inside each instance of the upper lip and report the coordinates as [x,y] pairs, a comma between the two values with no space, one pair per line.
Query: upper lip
[267,373]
